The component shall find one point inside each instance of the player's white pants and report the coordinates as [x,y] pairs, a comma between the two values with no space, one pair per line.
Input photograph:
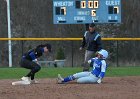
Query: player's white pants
[85,77]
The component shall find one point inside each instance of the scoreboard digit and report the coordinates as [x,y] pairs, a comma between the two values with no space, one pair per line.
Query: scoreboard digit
[86,11]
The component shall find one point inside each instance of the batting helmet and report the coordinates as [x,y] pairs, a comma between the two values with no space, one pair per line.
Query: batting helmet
[104,53]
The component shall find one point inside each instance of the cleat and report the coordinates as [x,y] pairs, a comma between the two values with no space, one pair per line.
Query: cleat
[34,82]
[25,78]
[60,79]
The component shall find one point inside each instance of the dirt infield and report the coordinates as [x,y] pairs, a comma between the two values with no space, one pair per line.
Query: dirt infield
[111,88]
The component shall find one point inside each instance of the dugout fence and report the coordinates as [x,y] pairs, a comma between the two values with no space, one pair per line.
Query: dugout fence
[122,51]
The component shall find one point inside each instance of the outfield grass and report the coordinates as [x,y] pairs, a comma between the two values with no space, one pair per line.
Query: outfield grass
[15,73]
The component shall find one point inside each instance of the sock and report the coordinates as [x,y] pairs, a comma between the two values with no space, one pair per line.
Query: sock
[29,74]
[69,78]
[32,76]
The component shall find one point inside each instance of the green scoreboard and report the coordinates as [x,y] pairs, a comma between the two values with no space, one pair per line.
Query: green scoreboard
[86,11]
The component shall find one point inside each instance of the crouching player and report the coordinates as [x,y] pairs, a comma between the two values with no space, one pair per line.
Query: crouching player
[95,76]
[29,61]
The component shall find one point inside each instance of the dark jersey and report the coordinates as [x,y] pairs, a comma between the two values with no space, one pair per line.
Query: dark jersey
[92,41]
[33,53]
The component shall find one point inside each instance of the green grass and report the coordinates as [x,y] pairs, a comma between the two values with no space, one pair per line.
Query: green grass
[14,73]
[123,71]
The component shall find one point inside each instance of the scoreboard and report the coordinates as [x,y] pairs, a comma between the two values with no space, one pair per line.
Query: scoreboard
[86,11]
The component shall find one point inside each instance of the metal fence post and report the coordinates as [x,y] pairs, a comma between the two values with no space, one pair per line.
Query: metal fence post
[117,55]
[22,47]
[72,52]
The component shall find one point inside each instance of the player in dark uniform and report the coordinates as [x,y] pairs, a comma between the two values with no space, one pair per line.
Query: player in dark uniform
[92,42]
[29,61]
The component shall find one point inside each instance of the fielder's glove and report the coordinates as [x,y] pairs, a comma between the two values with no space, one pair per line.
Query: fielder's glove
[36,61]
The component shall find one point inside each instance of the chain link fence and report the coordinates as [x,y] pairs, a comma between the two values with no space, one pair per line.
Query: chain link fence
[121,53]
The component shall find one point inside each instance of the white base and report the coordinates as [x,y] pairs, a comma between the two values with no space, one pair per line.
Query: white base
[21,83]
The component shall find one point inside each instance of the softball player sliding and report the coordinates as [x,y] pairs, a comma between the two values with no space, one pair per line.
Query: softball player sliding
[95,76]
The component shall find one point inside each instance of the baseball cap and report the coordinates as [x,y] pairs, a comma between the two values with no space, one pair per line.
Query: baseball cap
[91,25]
[48,47]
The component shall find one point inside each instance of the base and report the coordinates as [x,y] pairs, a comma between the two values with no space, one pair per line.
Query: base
[21,83]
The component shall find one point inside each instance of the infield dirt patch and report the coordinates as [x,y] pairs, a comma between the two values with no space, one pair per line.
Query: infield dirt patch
[111,88]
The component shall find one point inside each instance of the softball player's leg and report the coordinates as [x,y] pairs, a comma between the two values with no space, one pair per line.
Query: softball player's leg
[72,77]
[30,65]
[88,56]
[81,74]
[88,79]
